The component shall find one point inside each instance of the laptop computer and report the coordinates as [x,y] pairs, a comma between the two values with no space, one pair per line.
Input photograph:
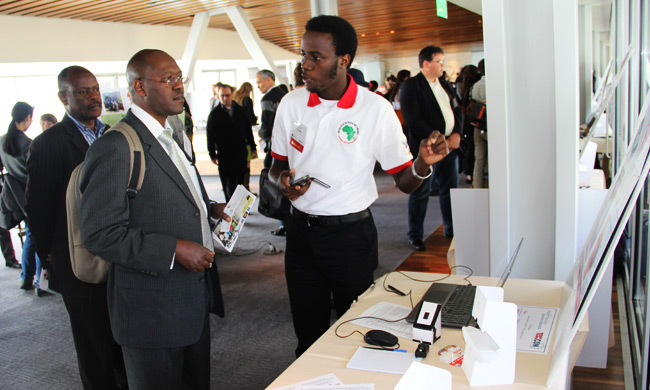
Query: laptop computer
[457,300]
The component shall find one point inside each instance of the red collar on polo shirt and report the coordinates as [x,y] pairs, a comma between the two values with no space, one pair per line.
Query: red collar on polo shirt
[346,101]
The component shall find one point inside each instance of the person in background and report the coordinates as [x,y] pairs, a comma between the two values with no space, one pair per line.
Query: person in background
[391,81]
[358,77]
[214,100]
[297,75]
[47,121]
[270,101]
[468,76]
[244,97]
[393,97]
[14,147]
[430,103]
[480,135]
[189,123]
[53,156]
[373,85]
[230,138]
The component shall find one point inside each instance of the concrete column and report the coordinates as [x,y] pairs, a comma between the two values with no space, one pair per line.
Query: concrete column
[585,32]
[324,7]
[531,67]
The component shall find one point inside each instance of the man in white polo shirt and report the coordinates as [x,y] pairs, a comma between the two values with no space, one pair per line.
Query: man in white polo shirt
[334,132]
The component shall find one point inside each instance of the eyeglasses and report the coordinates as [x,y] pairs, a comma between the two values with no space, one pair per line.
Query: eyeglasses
[170,80]
[439,61]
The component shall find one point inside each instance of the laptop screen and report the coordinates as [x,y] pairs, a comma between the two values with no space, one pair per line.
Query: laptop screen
[506,272]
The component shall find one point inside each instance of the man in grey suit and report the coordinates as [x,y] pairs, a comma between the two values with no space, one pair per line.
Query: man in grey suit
[162,281]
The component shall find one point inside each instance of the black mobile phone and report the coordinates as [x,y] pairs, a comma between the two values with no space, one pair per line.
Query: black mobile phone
[300,181]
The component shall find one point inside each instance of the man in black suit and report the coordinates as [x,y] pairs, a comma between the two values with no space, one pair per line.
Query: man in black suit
[162,281]
[429,103]
[229,132]
[269,102]
[52,157]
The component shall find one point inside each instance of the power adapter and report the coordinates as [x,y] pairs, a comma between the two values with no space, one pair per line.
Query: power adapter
[271,250]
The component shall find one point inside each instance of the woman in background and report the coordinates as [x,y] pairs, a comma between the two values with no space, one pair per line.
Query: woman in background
[243,97]
[14,147]
[47,121]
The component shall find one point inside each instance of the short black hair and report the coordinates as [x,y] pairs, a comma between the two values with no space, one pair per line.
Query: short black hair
[343,34]
[427,54]
[63,79]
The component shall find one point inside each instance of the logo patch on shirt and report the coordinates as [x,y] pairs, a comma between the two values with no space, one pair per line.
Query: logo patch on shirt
[348,132]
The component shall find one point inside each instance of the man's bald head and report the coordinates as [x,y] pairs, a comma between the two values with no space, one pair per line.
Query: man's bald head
[140,64]
[71,72]
[155,83]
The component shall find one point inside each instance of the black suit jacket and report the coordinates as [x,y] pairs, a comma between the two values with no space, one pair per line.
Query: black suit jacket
[53,155]
[150,305]
[422,112]
[228,136]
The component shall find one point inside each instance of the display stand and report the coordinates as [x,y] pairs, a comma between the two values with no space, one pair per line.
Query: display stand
[490,352]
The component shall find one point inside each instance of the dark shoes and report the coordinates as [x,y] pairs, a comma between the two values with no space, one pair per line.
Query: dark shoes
[43,293]
[418,245]
[280,231]
[13,264]
[26,286]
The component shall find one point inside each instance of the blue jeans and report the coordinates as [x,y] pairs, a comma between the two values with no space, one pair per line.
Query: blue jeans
[445,177]
[30,261]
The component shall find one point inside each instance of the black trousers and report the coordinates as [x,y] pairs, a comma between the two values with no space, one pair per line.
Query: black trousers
[326,262]
[171,368]
[101,365]
[231,176]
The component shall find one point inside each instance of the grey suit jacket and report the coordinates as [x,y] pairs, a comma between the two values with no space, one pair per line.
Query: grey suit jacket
[150,305]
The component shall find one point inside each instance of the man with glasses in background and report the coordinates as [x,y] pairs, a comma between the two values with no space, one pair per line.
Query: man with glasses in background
[429,103]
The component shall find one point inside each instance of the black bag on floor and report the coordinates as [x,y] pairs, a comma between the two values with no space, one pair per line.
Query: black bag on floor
[273,203]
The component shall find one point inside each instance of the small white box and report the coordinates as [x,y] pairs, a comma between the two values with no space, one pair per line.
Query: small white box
[427,326]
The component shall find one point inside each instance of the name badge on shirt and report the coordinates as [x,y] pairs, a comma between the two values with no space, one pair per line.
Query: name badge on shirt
[298,136]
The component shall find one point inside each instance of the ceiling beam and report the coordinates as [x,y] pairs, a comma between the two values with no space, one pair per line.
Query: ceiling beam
[252,41]
[194,40]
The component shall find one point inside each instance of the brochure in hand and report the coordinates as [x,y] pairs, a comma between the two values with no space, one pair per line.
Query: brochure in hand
[238,208]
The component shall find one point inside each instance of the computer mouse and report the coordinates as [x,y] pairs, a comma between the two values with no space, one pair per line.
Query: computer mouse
[380,338]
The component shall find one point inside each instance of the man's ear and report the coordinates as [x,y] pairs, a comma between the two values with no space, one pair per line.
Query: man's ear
[138,87]
[63,97]
[344,61]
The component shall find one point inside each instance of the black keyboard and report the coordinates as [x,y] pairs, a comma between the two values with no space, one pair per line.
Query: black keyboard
[457,311]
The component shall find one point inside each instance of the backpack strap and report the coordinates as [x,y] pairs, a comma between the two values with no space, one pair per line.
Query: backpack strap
[136,176]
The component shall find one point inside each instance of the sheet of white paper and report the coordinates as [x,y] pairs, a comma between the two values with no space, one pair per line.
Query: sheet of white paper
[381,361]
[388,311]
[238,208]
[535,328]
[422,376]
[363,386]
[324,380]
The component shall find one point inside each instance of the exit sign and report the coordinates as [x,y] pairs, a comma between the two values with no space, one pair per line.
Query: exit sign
[441,8]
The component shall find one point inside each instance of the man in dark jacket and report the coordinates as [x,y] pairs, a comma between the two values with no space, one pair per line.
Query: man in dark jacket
[428,104]
[270,102]
[229,132]
[53,155]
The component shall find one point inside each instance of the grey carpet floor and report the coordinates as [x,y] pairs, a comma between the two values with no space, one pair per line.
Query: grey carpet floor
[251,346]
